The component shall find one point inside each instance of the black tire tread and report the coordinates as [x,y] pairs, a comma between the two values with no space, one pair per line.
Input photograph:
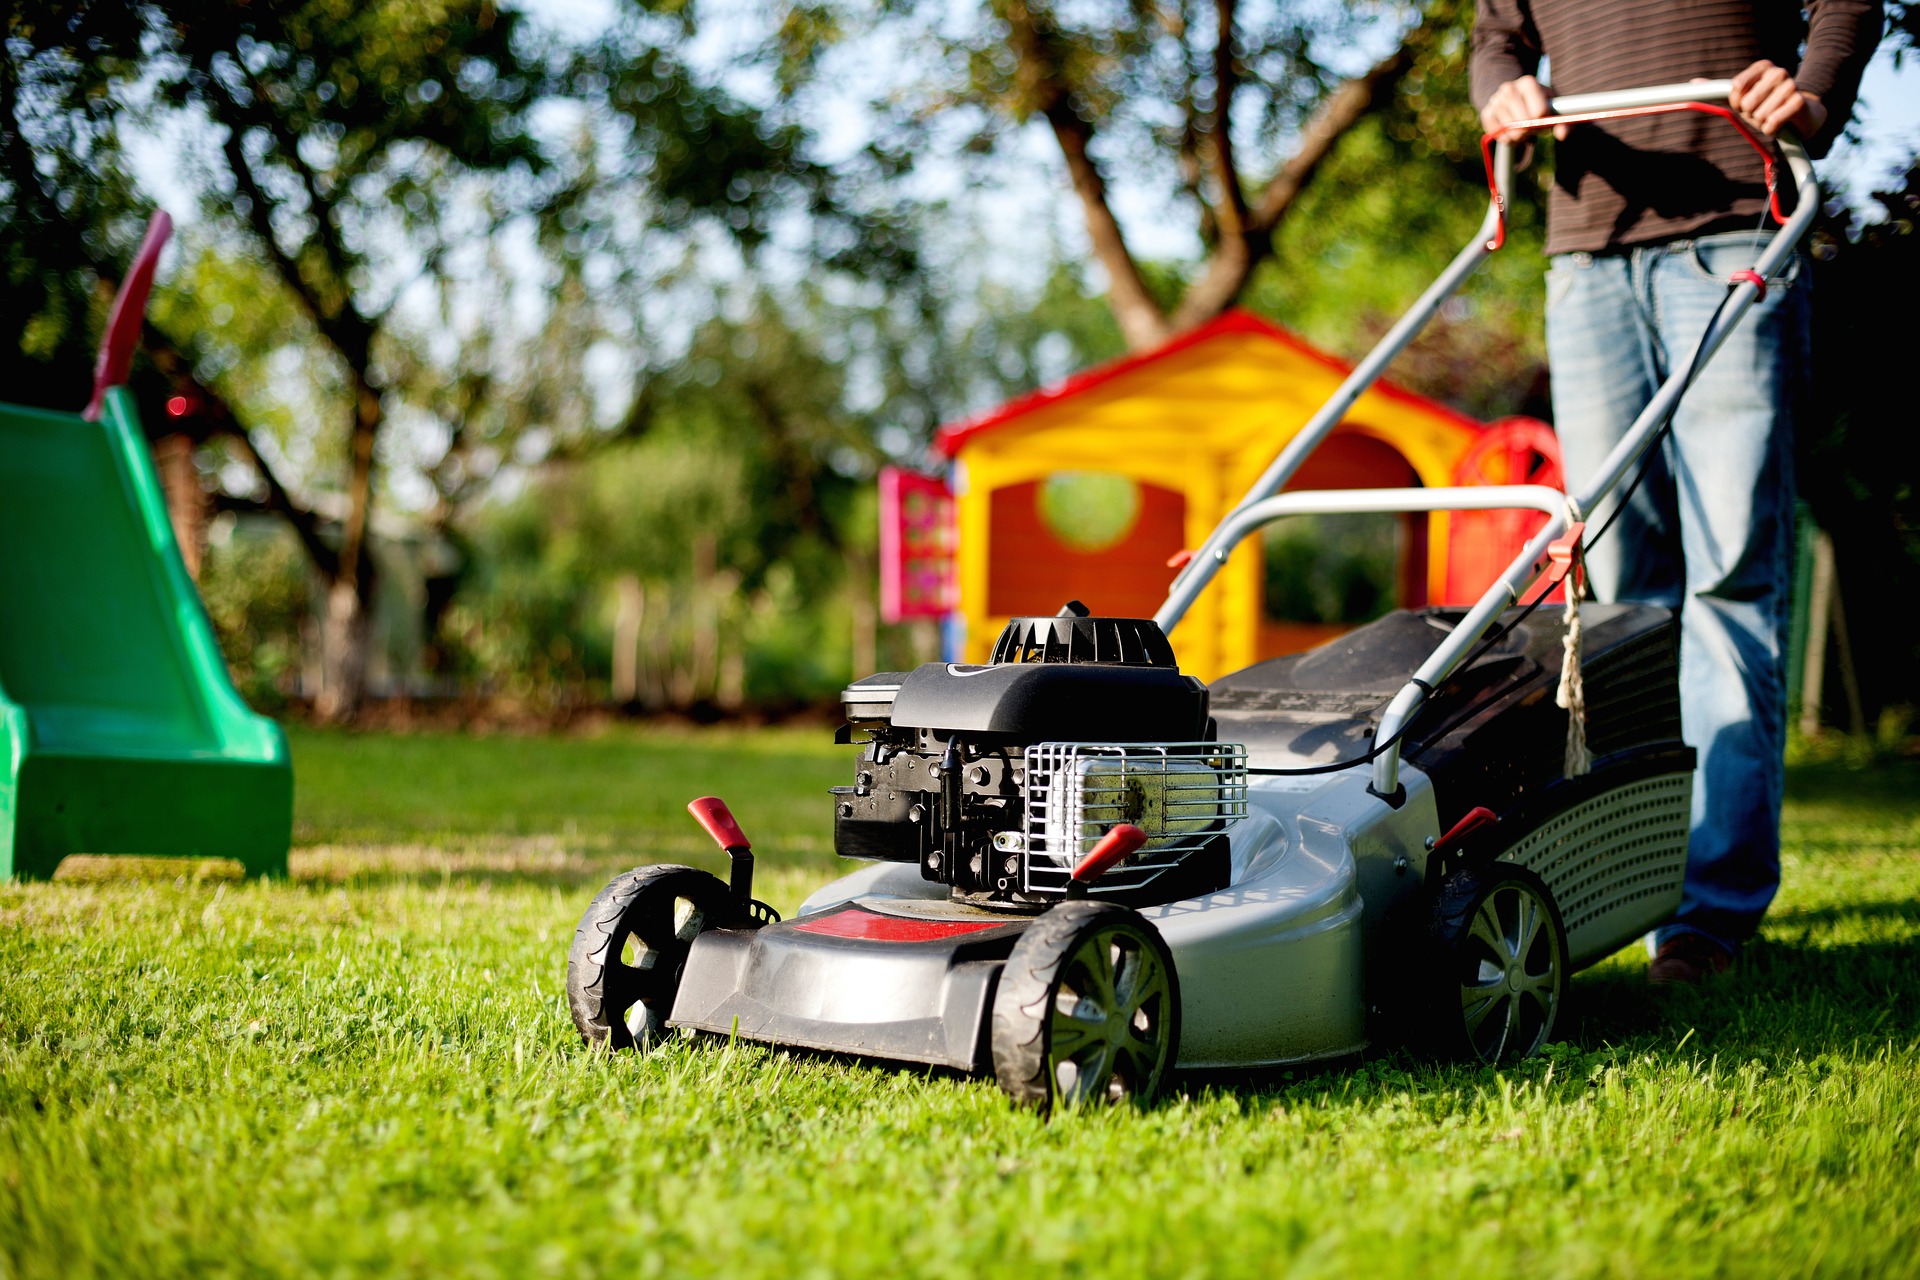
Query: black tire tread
[1027,981]
[587,957]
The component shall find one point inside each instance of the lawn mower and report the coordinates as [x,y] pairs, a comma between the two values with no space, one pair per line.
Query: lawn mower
[1086,867]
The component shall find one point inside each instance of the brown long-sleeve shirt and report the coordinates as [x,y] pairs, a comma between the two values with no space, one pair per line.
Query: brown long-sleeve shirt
[1666,177]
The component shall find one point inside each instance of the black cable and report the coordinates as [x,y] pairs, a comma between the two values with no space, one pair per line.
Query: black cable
[1372,753]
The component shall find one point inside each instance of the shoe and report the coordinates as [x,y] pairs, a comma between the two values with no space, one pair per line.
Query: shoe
[1687,960]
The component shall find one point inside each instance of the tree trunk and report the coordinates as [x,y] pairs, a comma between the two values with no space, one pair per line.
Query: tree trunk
[345,637]
[186,500]
[347,632]
[866,616]
[630,602]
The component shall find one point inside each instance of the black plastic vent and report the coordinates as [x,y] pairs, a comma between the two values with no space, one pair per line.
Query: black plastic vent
[1126,642]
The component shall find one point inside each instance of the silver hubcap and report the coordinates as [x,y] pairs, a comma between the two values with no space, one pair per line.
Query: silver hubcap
[1107,1031]
[1510,987]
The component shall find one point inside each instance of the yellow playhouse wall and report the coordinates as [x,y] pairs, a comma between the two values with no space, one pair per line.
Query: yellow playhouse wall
[1205,422]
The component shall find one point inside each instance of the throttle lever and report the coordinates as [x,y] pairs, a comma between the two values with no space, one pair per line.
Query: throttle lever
[712,813]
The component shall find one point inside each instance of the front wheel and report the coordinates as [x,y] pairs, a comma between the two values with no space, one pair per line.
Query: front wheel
[1087,1010]
[1499,971]
[624,967]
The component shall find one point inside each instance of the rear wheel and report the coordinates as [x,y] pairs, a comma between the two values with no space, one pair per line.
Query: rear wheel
[1087,1009]
[1500,972]
[624,967]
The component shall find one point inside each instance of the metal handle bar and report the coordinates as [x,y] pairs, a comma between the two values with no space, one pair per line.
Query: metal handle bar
[1207,561]
[1518,127]
[1527,566]
[1349,502]
[1653,95]
[1745,289]
[1210,557]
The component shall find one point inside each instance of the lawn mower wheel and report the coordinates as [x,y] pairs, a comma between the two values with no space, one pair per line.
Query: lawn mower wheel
[1088,1009]
[624,967]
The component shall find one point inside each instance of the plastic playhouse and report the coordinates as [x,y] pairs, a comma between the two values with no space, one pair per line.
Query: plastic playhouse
[1178,433]
[120,731]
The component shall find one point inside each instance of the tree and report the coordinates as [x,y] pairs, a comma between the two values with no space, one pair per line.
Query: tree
[350,148]
[65,209]
[1237,121]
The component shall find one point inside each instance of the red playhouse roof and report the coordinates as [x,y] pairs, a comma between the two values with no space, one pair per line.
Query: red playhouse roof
[953,436]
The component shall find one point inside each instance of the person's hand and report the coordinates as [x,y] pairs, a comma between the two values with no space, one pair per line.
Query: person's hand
[1767,95]
[1516,100]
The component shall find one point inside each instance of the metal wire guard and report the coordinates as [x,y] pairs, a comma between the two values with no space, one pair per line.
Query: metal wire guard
[1182,794]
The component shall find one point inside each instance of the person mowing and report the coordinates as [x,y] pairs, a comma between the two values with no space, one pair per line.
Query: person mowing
[1646,221]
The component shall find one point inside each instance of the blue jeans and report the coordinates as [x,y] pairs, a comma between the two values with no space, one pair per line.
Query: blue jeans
[1710,529]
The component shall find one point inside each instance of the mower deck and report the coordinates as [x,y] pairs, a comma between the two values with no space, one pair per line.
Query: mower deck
[865,978]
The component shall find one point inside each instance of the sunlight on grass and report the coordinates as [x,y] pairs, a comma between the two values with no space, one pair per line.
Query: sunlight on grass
[369,1067]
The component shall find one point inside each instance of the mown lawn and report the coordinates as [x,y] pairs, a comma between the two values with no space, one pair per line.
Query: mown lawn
[370,1069]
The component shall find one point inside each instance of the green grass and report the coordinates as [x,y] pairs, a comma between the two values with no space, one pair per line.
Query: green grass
[370,1068]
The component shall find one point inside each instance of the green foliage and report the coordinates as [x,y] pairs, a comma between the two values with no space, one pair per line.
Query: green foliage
[370,1069]
[1331,568]
[1402,192]
[733,495]
[257,588]
[64,207]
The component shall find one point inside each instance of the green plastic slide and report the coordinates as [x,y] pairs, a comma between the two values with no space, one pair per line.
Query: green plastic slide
[120,731]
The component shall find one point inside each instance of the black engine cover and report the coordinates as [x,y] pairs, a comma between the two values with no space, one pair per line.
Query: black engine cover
[1048,702]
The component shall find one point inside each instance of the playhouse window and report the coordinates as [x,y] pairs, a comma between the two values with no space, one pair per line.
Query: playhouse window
[1088,510]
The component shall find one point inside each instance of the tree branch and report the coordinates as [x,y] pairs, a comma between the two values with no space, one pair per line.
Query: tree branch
[318,204]
[218,417]
[1235,260]
[1344,108]
[1045,91]
[350,334]
[1232,206]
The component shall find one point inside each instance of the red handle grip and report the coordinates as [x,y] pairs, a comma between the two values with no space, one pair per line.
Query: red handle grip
[713,814]
[129,311]
[1112,850]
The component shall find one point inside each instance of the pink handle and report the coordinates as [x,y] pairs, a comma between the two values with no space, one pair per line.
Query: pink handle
[714,815]
[129,311]
[1112,850]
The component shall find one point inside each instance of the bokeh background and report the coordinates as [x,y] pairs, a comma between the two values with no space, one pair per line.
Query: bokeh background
[492,331]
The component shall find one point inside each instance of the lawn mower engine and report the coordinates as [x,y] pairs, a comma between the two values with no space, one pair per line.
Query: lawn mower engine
[995,779]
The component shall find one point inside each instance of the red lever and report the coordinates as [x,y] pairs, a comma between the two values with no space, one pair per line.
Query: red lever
[713,814]
[1562,552]
[129,312]
[1477,817]
[1112,849]
[1180,559]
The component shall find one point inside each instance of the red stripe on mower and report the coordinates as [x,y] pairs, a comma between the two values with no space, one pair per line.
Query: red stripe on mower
[853,922]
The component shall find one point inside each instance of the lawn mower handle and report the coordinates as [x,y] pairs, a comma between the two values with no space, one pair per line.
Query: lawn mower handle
[1508,589]
[1745,289]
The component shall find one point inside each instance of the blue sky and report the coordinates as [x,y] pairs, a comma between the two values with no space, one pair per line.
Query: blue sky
[1888,123]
